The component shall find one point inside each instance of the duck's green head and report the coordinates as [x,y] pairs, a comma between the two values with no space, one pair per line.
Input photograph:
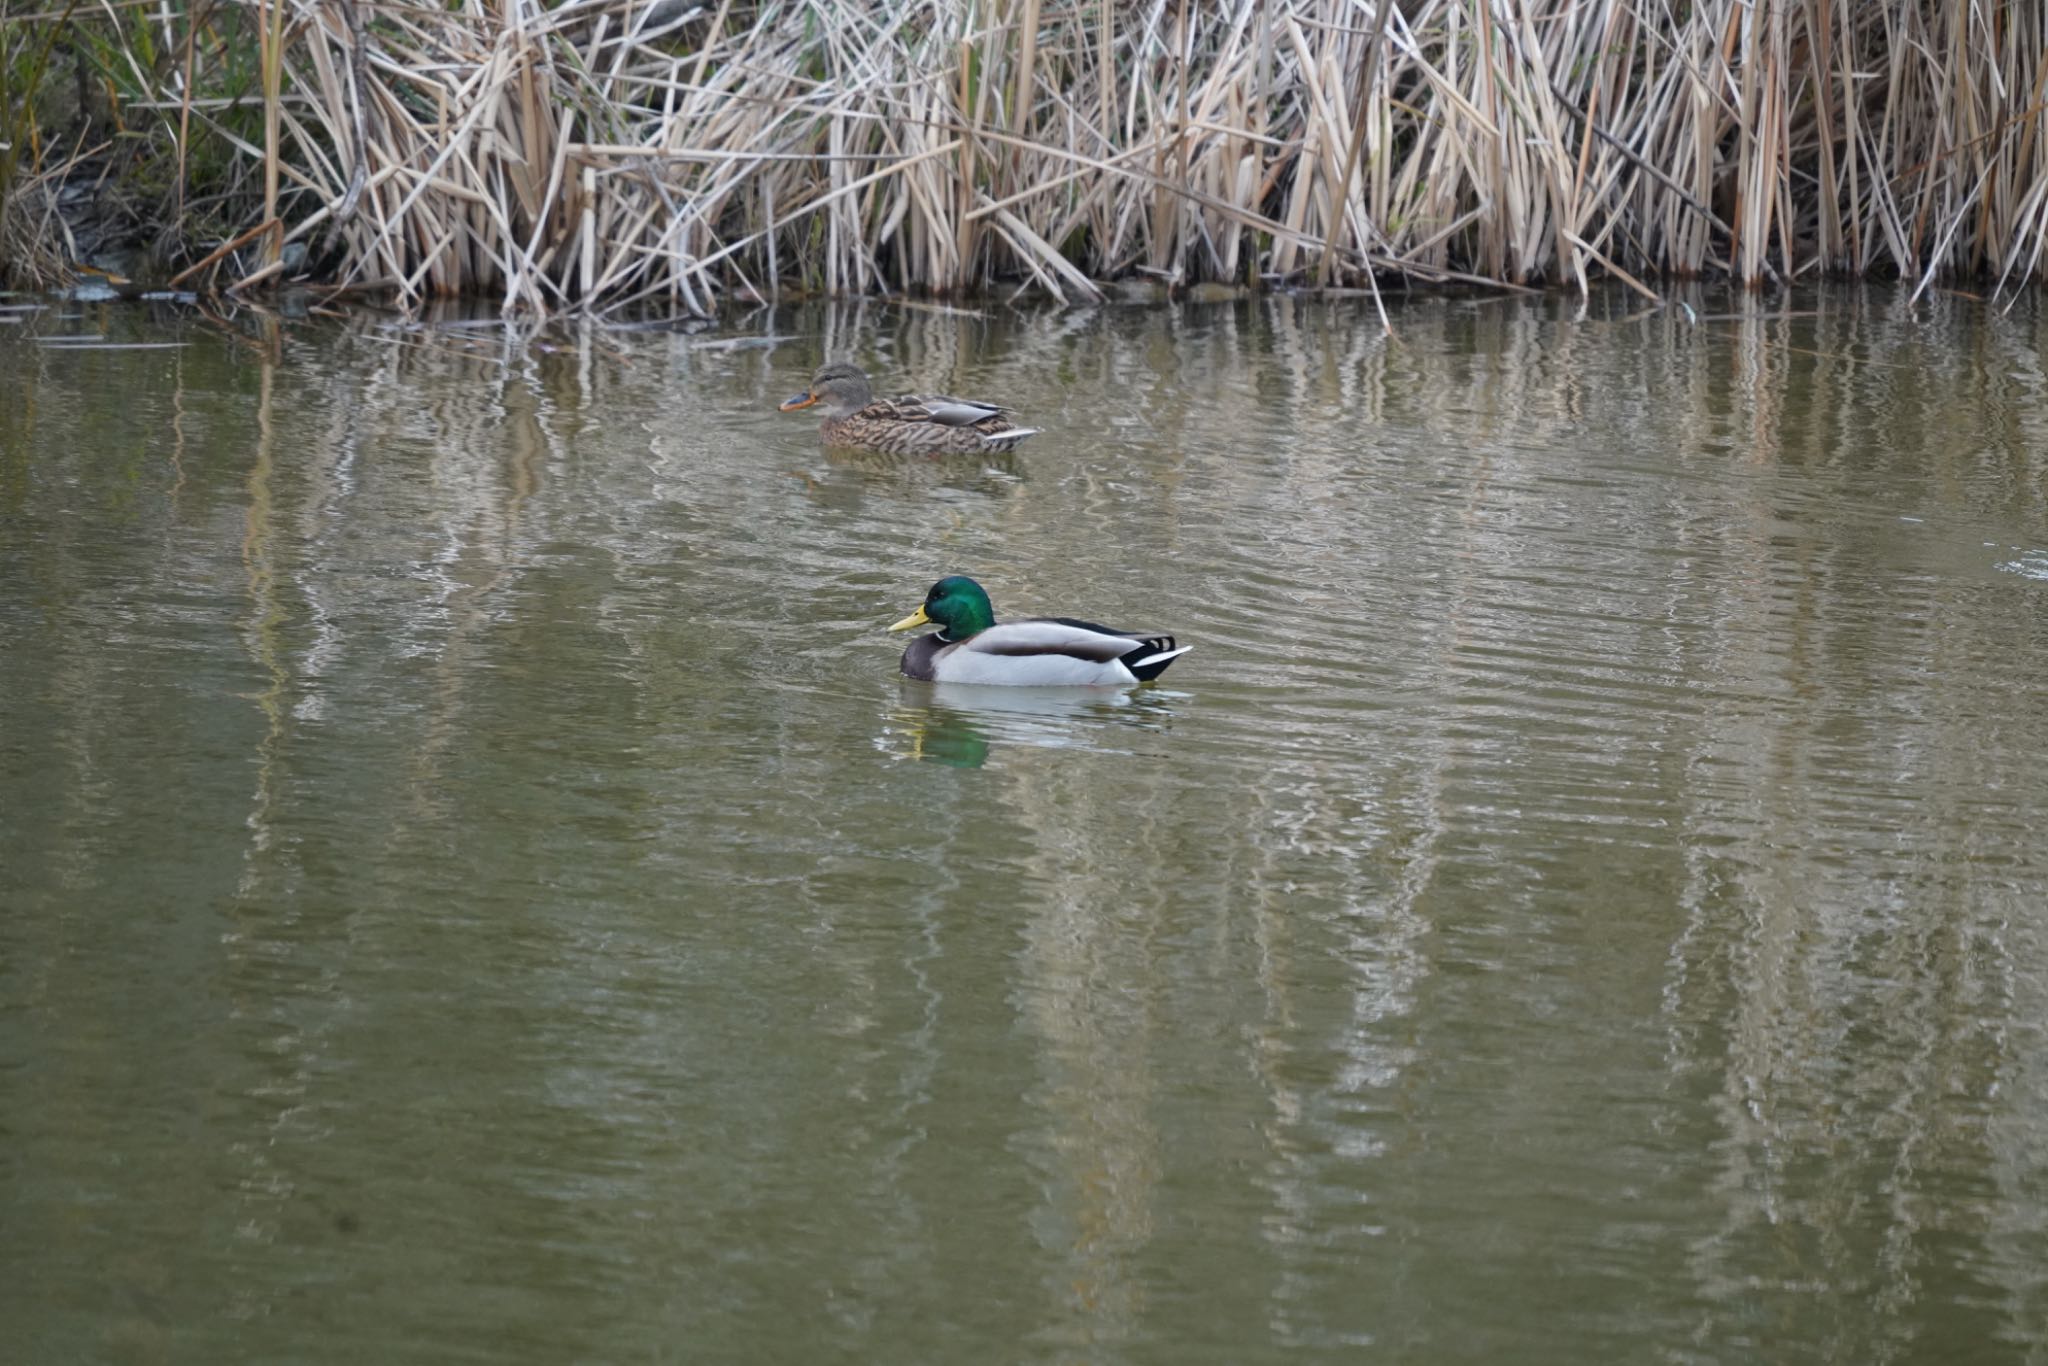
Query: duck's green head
[957,605]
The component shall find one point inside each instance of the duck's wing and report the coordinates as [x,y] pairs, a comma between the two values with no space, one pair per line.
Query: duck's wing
[958,412]
[1053,636]
[1055,652]
[908,408]
[944,411]
[1149,655]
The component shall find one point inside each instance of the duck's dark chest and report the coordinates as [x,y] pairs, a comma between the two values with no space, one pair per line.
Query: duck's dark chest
[920,656]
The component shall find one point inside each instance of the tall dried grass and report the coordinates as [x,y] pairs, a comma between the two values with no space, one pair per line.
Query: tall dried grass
[615,152]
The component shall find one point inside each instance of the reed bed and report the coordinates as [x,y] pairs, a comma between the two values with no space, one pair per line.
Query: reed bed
[616,154]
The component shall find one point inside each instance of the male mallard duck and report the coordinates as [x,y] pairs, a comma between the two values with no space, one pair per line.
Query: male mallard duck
[910,425]
[969,647]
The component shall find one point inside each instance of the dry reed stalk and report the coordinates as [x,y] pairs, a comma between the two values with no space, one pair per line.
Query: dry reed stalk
[223,251]
[613,152]
[270,37]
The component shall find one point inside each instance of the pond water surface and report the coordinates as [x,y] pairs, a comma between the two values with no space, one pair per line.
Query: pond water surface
[473,888]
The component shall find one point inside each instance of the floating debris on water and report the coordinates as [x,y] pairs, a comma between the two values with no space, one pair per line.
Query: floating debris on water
[102,344]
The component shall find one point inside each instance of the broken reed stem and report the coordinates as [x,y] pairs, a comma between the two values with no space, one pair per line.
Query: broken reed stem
[221,252]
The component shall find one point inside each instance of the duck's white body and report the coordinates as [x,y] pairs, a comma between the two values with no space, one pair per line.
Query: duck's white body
[1044,652]
[972,647]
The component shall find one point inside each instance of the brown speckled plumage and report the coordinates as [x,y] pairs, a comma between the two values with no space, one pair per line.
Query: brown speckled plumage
[913,424]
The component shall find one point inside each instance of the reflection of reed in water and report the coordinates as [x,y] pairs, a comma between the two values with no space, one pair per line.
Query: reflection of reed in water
[1846,1025]
[1084,980]
[384,518]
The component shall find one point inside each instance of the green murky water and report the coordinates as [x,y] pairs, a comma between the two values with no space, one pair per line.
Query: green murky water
[472,888]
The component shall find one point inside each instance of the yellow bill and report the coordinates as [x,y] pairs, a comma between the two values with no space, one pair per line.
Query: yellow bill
[915,619]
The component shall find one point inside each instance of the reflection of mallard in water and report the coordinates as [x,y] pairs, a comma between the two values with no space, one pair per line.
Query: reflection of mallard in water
[959,724]
[928,424]
[897,463]
[940,735]
[969,647]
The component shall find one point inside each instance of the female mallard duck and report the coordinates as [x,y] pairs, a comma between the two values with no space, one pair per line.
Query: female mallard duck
[911,425]
[969,647]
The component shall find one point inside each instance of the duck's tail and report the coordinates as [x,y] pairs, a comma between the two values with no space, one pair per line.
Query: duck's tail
[1149,660]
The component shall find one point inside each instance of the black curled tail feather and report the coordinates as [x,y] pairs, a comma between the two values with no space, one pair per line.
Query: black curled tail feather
[1145,662]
